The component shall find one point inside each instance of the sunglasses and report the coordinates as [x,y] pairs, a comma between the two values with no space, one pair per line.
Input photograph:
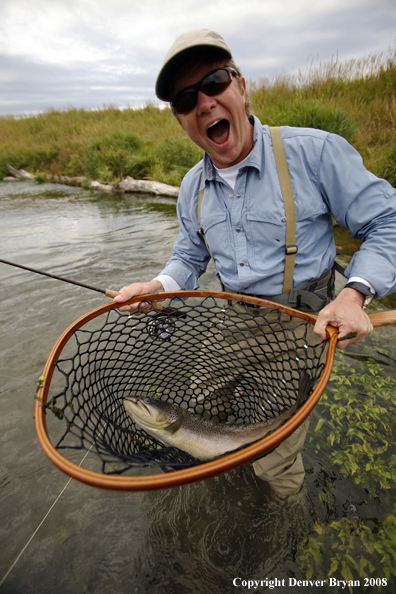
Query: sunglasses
[213,83]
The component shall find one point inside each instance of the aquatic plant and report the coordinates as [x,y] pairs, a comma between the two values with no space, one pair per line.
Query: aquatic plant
[362,409]
[351,549]
[358,412]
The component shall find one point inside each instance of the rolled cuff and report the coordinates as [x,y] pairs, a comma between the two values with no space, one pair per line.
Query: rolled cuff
[181,275]
[167,282]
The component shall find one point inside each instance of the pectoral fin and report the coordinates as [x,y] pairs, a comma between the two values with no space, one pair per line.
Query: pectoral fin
[171,429]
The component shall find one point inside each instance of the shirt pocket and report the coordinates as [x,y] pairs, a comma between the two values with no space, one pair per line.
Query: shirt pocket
[266,240]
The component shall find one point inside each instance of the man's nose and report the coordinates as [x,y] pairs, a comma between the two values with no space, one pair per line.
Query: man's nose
[205,103]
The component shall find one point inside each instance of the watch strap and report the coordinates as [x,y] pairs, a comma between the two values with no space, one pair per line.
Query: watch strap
[361,287]
[364,290]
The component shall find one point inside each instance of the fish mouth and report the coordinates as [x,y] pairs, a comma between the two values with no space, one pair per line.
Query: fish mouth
[139,403]
[219,131]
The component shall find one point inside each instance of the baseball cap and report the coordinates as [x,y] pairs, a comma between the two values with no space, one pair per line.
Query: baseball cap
[185,45]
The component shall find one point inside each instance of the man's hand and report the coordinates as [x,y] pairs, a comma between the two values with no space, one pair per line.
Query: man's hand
[345,313]
[130,291]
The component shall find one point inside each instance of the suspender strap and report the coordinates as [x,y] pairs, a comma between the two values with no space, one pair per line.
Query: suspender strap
[288,201]
[200,198]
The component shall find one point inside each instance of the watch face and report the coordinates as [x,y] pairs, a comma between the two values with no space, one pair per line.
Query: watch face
[367,301]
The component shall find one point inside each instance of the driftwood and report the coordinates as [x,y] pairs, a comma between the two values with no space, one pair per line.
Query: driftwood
[102,186]
[128,184]
[19,173]
[147,187]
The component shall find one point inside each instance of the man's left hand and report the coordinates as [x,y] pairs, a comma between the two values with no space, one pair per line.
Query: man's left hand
[346,314]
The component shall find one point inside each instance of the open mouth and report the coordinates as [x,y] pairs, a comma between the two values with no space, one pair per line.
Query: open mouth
[138,402]
[218,132]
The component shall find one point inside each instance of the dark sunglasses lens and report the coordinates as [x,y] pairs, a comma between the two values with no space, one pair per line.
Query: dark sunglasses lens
[185,101]
[216,83]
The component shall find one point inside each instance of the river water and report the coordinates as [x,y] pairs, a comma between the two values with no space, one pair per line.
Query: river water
[211,536]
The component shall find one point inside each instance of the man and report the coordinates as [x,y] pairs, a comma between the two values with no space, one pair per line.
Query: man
[243,216]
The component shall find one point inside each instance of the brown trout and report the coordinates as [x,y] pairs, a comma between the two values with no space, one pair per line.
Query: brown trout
[202,438]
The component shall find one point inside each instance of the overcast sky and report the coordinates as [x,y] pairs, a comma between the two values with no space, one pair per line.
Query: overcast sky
[92,53]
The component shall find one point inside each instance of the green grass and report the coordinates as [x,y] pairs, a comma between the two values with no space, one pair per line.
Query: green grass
[107,144]
[356,99]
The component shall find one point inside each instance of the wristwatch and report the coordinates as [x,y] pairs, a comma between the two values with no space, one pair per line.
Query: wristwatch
[364,290]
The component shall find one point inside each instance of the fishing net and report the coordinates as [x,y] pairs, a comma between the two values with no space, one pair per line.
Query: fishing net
[227,360]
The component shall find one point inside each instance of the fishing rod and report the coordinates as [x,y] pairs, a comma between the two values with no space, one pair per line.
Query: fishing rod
[107,292]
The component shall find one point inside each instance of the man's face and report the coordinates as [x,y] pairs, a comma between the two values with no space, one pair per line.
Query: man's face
[218,124]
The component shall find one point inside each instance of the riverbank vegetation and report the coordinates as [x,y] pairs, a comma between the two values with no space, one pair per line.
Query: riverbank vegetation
[356,99]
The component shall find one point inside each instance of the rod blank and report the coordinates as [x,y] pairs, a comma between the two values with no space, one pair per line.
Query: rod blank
[107,292]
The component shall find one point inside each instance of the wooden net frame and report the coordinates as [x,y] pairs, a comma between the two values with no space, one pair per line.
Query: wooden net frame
[94,367]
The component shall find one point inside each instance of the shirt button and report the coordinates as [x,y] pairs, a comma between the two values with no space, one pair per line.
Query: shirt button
[231,196]
[241,263]
[238,195]
[237,230]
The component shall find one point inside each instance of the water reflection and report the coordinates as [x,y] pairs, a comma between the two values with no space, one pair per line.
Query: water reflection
[203,536]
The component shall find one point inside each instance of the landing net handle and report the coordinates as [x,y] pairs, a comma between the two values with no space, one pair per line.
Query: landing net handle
[194,473]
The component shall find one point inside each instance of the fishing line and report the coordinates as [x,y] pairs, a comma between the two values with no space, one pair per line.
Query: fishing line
[41,523]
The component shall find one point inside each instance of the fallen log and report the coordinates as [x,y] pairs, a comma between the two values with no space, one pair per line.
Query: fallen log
[129,184]
[19,173]
[102,186]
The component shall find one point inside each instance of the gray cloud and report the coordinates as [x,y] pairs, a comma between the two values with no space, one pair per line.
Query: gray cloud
[30,86]
[89,56]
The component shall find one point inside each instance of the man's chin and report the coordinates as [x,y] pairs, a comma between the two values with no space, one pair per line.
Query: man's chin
[221,160]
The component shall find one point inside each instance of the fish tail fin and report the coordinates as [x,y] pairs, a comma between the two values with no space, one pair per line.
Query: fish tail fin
[305,383]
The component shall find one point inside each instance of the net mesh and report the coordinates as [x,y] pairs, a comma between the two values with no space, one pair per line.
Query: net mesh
[229,363]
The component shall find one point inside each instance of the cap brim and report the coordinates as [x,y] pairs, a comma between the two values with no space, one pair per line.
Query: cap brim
[167,72]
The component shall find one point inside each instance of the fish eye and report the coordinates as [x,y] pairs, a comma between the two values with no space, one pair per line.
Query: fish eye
[147,399]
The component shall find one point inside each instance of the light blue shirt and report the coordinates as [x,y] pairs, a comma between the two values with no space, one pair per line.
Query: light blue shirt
[246,230]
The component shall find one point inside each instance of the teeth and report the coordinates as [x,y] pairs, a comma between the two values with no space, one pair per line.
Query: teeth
[214,124]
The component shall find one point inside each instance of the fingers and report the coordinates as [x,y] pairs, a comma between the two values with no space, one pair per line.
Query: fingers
[134,290]
[346,314]
[125,294]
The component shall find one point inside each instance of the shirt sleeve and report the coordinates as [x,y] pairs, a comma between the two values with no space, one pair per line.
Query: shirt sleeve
[366,205]
[190,256]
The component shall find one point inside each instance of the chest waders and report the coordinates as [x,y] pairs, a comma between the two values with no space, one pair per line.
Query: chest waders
[313,295]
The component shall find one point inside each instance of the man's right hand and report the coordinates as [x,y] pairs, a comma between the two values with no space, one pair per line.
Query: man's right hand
[130,291]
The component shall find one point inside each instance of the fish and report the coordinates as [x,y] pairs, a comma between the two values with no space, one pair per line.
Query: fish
[202,438]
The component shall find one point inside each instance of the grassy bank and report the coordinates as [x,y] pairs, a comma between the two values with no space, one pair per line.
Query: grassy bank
[356,99]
